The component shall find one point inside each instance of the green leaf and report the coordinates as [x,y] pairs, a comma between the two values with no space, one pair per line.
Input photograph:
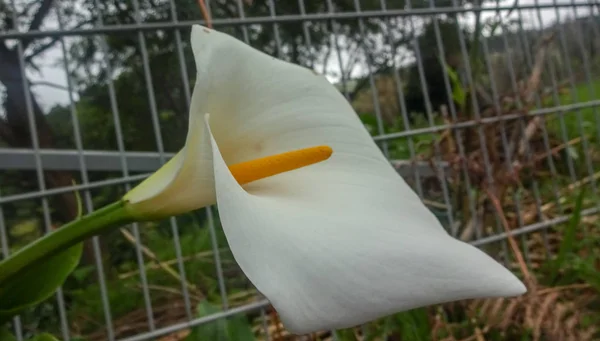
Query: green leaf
[344,334]
[568,240]
[413,325]
[458,93]
[234,328]
[36,284]
[586,271]
[32,274]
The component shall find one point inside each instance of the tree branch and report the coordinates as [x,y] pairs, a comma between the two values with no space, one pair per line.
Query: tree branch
[41,49]
[37,20]
[51,43]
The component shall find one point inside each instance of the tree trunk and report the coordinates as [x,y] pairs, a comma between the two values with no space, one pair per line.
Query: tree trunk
[16,132]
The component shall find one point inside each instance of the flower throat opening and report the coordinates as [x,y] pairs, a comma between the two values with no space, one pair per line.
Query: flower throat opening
[257,169]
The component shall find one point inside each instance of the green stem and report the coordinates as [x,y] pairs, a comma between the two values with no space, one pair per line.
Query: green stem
[97,222]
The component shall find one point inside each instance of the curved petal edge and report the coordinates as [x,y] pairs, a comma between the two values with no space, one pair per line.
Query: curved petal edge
[322,272]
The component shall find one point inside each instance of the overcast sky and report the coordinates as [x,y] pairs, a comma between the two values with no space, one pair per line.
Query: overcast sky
[52,70]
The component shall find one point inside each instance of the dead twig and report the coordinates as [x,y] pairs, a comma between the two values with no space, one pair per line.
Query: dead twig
[154,266]
[148,253]
[529,279]
[205,14]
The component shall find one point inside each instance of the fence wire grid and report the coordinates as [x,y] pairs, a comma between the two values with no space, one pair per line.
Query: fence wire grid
[105,89]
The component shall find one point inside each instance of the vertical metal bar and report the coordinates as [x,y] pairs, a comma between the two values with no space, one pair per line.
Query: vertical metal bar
[174,227]
[374,92]
[222,289]
[403,109]
[515,89]
[556,100]
[475,108]
[160,147]
[334,29]
[477,116]
[35,145]
[529,62]
[474,101]
[505,143]
[507,148]
[550,64]
[217,257]
[120,146]
[504,134]
[240,7]
[306,32]
[275,29]
[78,141]
[592,19]
[336,43]
[457,134]
[429,113]
[213,239]
[528,152]
[18,328]
[588,77]
[595,6]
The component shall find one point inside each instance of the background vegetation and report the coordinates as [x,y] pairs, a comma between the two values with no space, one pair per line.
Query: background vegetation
[510,171]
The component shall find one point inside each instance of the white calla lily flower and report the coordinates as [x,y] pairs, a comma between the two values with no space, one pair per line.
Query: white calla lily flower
[332,245]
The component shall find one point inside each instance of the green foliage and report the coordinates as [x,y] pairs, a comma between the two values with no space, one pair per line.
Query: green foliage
[579,121]
[458,92]
[235,328]
[577,257]
[412,325]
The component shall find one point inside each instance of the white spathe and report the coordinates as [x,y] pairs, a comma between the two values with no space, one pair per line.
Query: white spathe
[331,245]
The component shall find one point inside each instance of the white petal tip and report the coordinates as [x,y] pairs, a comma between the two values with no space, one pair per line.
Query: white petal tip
[506,287]
[514,287]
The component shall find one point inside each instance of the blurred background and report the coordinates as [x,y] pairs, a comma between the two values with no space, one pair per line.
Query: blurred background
[490,110]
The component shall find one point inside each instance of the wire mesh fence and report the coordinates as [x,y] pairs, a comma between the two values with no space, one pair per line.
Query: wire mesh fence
[489,110]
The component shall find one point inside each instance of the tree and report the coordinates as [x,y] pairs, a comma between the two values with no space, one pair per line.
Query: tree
[14,127]
[433,69]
